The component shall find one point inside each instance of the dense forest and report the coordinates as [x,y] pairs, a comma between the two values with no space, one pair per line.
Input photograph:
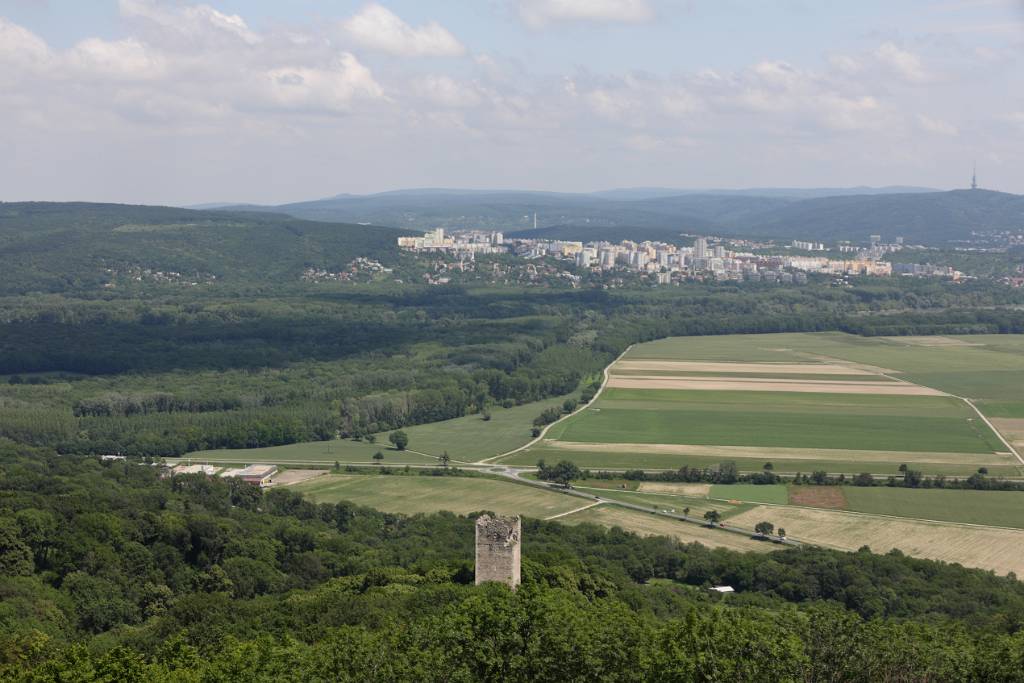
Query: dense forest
[109,573]
[166,373]
[164,378]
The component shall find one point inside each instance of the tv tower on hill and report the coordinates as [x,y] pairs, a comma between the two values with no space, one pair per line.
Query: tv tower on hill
[974,177]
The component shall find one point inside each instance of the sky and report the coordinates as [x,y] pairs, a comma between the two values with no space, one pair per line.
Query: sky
[179,102]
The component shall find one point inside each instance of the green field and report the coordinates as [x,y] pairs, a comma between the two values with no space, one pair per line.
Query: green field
[471,438]
[861,432]
[995,508]
[466,439]
[461,495]
[780,419]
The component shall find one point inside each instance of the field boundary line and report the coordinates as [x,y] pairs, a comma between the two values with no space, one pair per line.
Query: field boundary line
[571,512]
[993,428]
[539,437]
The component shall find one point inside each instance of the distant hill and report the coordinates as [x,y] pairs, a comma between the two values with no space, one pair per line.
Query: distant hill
[51,247]
[825,214]
[933,218]
[633,193]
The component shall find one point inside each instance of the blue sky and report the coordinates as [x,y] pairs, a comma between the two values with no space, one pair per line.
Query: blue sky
[182,102]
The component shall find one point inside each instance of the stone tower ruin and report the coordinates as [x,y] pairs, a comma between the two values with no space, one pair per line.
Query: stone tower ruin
[497,549]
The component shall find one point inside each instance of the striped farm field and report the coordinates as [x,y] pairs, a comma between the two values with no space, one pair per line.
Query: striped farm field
[804,402]
[972,546]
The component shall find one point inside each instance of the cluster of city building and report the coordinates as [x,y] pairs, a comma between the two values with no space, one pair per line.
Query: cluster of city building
[669,262]
[463,242]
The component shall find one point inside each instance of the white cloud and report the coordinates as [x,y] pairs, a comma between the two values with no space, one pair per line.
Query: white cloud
[20,50]
[121,59]
[198,22]
[332,89]
[379,28]
[539,13]
[937,126]
[906,65]
[448,92]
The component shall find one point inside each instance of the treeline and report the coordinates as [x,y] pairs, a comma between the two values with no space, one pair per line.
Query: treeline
[110,573]
[913,479]
[724,473]
[727,473]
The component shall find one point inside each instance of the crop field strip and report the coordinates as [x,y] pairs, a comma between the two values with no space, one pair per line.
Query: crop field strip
[762,384]
[651,525]
[991,548]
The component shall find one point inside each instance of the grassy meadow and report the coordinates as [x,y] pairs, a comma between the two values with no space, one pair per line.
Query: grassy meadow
[420,494]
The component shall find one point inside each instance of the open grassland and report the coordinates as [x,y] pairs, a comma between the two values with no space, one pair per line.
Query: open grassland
[472,438]
[994,508]
[461,495]
[972,546]
[672,457]
[652,525]
[466,438]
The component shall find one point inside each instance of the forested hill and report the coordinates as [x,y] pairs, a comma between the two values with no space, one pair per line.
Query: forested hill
[932,218]
[55,247]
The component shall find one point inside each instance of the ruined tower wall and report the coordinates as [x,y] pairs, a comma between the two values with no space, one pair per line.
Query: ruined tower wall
[498,549]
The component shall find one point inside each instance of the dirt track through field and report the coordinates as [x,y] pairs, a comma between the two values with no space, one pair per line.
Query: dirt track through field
[798,386]
[828,454]
[972,546]
[740,368]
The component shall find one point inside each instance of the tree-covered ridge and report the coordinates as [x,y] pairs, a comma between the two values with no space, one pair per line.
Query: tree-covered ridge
[110,573]
[166,374]
[932,218]
[65,247]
